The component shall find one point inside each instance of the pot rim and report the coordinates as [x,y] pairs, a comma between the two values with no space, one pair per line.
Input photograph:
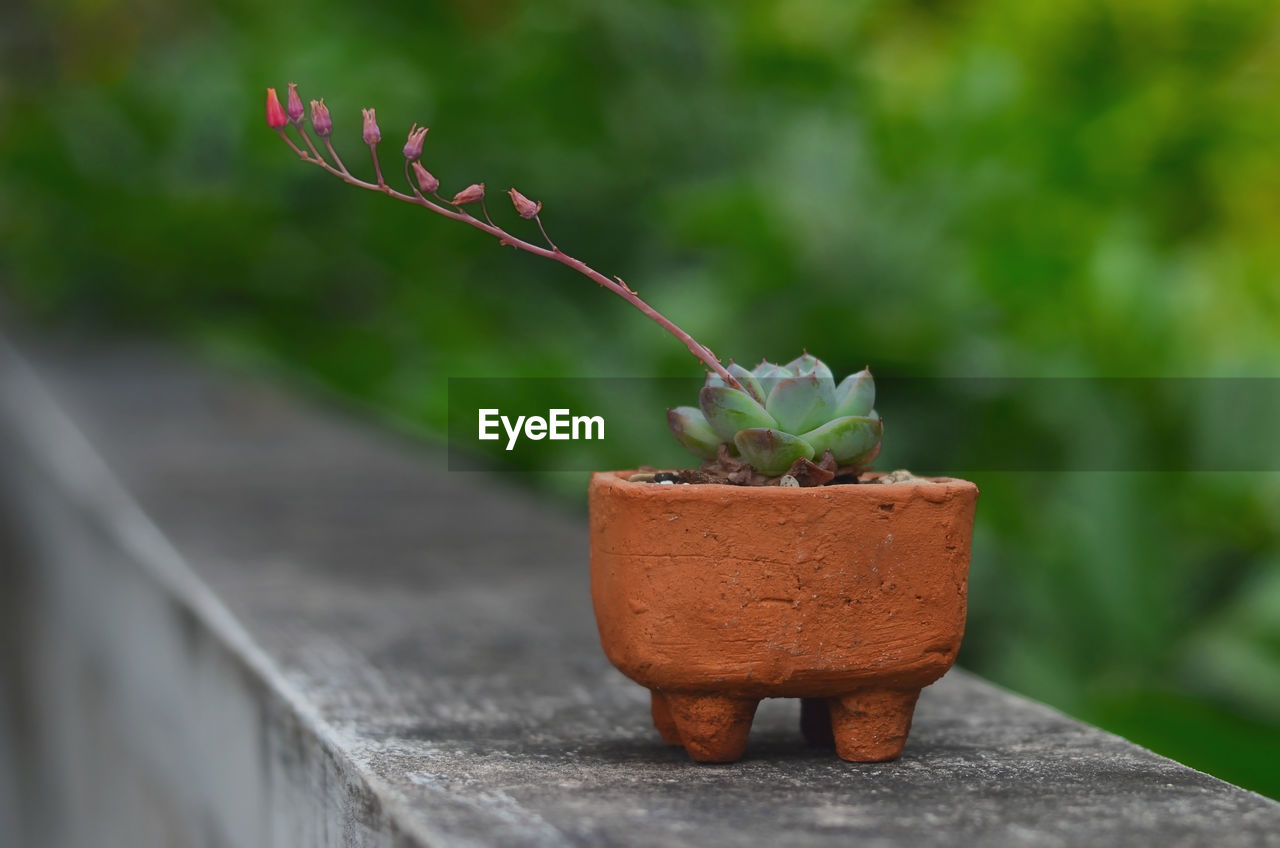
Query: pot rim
[618,480]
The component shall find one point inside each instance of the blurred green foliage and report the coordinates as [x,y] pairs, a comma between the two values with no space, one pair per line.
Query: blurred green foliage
[943,188]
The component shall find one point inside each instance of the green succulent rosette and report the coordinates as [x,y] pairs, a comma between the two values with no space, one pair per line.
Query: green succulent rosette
[782,413]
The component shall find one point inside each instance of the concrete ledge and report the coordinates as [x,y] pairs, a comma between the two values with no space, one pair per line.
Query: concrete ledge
[267,625]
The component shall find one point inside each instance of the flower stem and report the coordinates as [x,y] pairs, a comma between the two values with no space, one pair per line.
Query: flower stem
[337,160]
[621,289]
[289,142]
[306,136]
[538,218]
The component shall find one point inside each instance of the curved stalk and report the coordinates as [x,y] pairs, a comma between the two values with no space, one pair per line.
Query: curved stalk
[615,285]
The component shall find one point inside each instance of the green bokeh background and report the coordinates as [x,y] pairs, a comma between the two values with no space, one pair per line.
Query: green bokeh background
[999,188]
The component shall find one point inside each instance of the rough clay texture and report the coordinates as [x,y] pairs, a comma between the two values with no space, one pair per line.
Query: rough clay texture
[428,670]
[716,596]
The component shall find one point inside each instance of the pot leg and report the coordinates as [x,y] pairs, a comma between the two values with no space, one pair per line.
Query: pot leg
[713,728]
[871,725]
[662,718]
[815,721]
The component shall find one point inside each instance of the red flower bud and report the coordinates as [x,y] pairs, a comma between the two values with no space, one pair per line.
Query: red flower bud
[294,108]
[525,207]
[470,194]
[413,147]
[320,119]
[426,181]
[276,118]
[372,135]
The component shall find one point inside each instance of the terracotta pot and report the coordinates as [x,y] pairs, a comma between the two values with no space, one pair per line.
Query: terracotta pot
[713,597]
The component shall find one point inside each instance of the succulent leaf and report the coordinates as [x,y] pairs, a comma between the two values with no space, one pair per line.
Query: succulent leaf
[729,410]
[769,374]
[856,394]
[748,381]
[807,363]
[744,377]
[801,403]
[692,431]
[852,440]
[771,451]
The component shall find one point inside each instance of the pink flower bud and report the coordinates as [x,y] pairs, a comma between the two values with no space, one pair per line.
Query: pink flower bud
[372,135]
[470,194]
[525,207]
[426,181]
[320,119]
[294,108]
[413,147]
[276,118]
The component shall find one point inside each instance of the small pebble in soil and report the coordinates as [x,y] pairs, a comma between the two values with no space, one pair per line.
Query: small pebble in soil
[902,475]
[788,482]
[666,477]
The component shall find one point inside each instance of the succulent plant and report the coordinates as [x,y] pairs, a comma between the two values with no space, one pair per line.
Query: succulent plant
[783,413]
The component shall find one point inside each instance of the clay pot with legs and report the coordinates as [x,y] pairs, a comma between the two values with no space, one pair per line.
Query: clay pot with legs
[849,597]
